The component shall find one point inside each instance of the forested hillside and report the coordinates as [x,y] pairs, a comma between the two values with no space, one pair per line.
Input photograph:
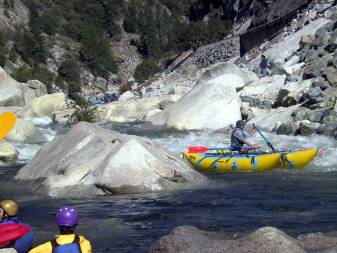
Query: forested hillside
[63,41]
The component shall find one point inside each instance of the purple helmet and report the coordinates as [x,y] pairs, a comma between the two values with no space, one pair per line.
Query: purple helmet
[240,123]
[67,216]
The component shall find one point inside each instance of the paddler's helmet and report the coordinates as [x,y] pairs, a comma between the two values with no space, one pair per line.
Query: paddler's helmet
[67,216]
[9,206]
[240,123]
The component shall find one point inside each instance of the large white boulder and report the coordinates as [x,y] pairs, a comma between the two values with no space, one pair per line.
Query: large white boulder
[13,93]
[25,132]
[229,74]
[273,118]
[7,152]
[266,88]
[134,109]
[98,159]
[211,104]
[44,106]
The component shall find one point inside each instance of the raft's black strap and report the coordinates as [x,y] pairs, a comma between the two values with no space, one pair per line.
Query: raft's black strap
[55,244]
[214,162]
[284,159]
[252,160]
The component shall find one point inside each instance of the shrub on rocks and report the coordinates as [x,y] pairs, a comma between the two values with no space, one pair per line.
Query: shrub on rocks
[145,70]
[83,112]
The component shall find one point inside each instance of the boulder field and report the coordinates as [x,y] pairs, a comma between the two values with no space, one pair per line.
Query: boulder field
[93,160]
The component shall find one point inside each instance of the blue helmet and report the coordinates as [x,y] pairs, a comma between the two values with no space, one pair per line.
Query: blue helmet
[240,123]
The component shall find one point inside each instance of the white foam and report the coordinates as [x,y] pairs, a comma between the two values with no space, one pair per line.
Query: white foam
[323,162]
[48,133]
[27,151]
[40,121]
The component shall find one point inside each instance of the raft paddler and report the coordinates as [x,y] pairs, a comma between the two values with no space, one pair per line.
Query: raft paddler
[21,242]
[239,138]
[67,241]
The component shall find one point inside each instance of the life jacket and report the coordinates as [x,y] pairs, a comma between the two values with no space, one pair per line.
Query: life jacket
[73,247]
[24,243]
[236,144]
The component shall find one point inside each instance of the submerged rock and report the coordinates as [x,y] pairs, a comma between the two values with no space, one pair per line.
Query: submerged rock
[90,159]
[25,132]
[187,239]
[7,152]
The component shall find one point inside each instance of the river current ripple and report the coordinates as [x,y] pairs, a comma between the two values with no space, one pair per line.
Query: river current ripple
[235,204]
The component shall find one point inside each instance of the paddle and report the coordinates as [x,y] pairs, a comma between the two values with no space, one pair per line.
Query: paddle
[202,149]
[264,138]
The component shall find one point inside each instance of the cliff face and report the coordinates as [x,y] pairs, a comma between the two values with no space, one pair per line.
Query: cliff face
[239,10]
[13,15]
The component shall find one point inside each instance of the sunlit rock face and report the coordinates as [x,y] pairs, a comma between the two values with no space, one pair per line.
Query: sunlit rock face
[14,93]
[212,104]
[92,160]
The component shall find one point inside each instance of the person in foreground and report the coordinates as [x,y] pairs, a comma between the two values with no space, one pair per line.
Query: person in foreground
[239,138]
[67,241]
[21,242]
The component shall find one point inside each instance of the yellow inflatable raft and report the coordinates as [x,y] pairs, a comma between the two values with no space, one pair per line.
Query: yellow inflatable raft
[226,161]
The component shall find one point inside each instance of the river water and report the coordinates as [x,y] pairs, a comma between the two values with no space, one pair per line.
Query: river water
[297,202]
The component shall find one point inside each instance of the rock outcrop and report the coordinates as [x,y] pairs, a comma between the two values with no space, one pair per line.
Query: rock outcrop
[221,51]
[267,88]
[13,93]
[25,132]
[44,106]
[7,152]
[137,109]
[211,104]
[97,160]
[189,239]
